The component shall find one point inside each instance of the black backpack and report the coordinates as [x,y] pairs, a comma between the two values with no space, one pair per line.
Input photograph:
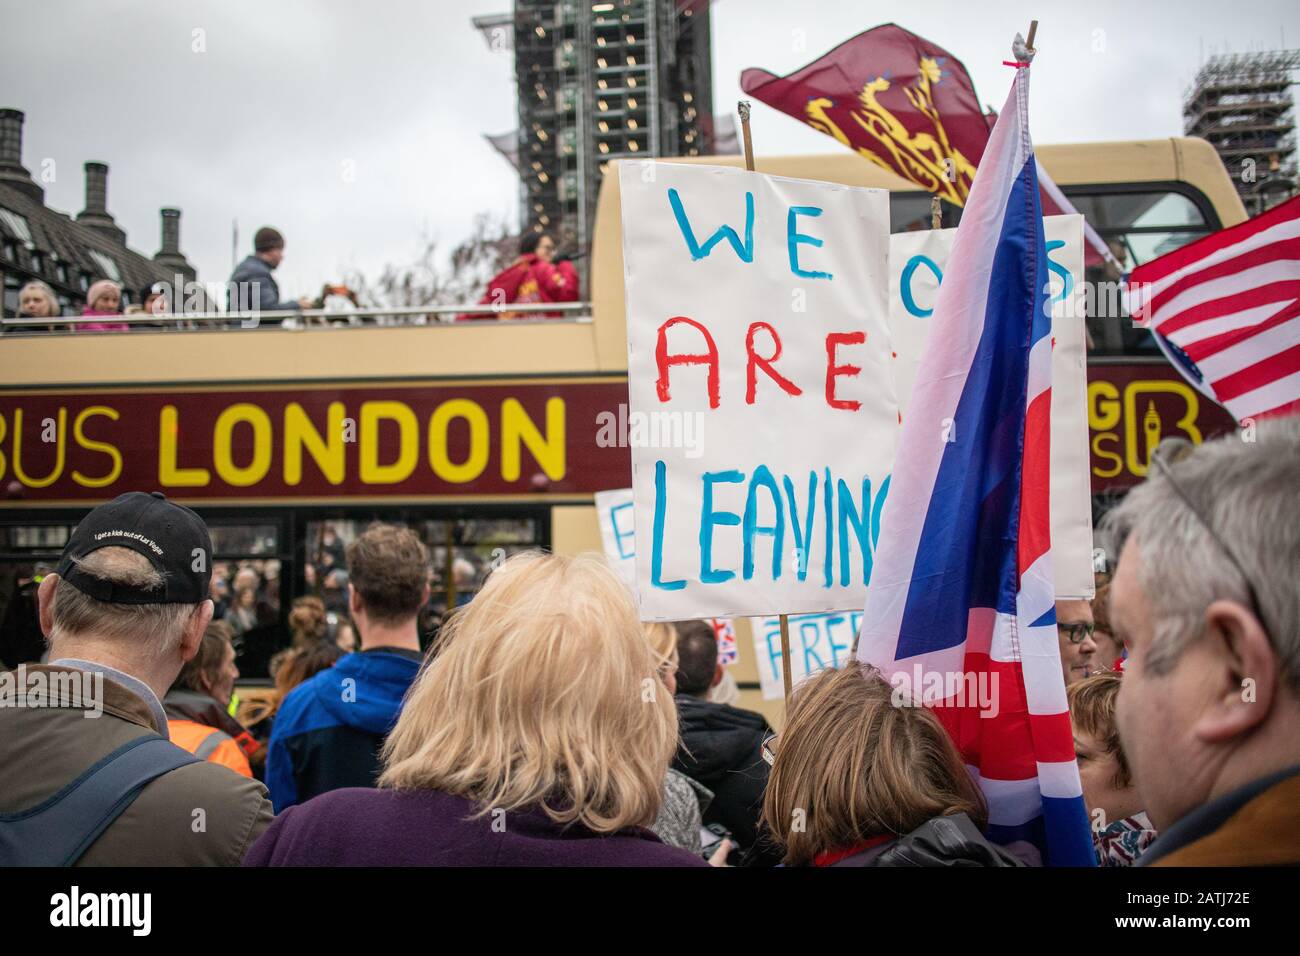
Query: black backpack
[58,830]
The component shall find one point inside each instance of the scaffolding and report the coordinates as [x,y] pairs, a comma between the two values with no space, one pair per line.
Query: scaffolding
[1242,104]
[599,81]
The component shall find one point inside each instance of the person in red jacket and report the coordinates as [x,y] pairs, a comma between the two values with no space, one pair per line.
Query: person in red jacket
[534,276]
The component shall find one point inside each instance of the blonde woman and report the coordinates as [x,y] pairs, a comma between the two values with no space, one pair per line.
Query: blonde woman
[36,300]
[538,735]
[859,781]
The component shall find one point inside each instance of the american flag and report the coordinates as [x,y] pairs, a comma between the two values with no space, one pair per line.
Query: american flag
[960,613]
[1226,311]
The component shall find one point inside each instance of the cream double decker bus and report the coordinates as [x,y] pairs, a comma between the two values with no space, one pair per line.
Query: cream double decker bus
[484,436]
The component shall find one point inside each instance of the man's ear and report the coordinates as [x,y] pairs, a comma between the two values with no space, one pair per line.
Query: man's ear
[717,676]
[45,602]
[355,604]
[194,628]
[1245,674]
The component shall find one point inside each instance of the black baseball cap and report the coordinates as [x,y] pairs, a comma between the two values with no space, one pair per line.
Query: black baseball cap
[171,536]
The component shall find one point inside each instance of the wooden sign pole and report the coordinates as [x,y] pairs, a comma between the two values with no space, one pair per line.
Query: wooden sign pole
[743,109]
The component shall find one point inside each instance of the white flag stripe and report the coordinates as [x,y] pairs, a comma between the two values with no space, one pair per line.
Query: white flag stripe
[1248,351]
[1037,593]
[1244,319]
[1040,368]
[1011,802]
[1225,287]
[1060,779]
[1003,646]
[1275,394]
[1287,229]
[1040,665]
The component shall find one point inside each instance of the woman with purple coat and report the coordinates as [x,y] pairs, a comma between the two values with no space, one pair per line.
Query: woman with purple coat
[538,735]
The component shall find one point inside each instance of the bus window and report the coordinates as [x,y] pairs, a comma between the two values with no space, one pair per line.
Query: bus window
[462,552]
[1138,224]
[246,566]
[910,211]
[465,552]
[27,553]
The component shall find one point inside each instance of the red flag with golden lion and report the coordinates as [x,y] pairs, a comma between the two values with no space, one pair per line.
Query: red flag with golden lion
[897,99]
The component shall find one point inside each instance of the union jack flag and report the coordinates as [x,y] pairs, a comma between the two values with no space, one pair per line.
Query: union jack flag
[961,593]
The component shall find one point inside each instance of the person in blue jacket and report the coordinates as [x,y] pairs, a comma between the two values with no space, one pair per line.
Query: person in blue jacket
[329,730]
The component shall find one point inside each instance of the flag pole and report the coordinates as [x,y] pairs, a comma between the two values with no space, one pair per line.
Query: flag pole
[936,213]
[742,107]
[1029,40]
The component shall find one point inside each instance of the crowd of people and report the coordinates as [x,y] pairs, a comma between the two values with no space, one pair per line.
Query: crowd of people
[539,274]
[547,726]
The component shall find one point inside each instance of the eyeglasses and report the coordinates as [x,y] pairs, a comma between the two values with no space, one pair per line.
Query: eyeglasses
[1076,631]
[1168,475]
[769,749]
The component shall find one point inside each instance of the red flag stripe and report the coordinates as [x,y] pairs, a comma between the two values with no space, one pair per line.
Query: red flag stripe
[1053,737]
[1288,249]
[1283,291]
[1258,375]
[1035,481]
[1216,345]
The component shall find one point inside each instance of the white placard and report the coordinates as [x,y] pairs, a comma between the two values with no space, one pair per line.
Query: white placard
[817,641]
[762,417]
[617,531]
[917,263]
[617,534]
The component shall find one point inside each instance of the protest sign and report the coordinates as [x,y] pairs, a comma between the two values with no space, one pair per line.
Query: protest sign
[817,641]
[617,534]
[759,387]
[614,513]
[917,261]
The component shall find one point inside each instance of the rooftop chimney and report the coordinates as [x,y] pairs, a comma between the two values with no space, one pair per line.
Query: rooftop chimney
[170,254]
[96,214]
[171,231]
[12,172]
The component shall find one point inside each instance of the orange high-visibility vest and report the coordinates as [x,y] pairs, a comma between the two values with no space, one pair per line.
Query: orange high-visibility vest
[208,743]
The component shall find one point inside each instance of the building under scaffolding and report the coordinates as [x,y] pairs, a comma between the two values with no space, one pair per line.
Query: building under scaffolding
[1242,104]
[597,81]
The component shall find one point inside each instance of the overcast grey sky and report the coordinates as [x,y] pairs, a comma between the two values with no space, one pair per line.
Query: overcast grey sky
[354,127]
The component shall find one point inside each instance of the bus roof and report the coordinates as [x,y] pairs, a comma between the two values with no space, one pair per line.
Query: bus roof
[485,350]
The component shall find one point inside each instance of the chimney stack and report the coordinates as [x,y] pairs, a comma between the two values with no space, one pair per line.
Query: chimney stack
[170,254]
[171,231]
[11,137]
[12,171]
[97,188]
[96,214]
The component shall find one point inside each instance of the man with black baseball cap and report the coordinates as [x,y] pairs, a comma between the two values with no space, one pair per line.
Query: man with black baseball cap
[126,608]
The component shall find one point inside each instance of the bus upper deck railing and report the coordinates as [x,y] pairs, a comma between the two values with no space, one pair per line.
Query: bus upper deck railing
[533,313]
